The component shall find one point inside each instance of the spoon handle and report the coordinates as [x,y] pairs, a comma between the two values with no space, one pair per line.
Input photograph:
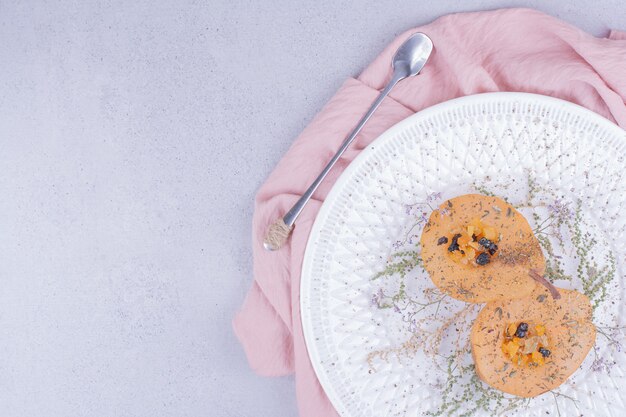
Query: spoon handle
[294,212]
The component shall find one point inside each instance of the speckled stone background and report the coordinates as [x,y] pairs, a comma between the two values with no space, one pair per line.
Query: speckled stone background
[133,136]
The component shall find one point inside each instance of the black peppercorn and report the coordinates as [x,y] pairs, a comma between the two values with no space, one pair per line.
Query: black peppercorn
[488,244]
[484,242]
[544,352]
[522,328]
[454,245]
[483,259]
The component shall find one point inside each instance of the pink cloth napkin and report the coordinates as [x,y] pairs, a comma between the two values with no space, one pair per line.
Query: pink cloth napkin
[502,50]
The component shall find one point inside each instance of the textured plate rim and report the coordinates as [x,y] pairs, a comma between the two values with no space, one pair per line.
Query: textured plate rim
[346,175]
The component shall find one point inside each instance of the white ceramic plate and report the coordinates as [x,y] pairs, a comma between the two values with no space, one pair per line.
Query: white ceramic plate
[382,341]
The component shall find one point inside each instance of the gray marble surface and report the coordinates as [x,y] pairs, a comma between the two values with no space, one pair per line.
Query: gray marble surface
[133,136]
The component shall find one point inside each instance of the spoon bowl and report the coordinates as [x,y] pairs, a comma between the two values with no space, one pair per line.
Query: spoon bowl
[412,55]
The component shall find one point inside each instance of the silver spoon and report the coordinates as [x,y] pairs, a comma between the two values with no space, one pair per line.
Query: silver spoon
[408,61]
